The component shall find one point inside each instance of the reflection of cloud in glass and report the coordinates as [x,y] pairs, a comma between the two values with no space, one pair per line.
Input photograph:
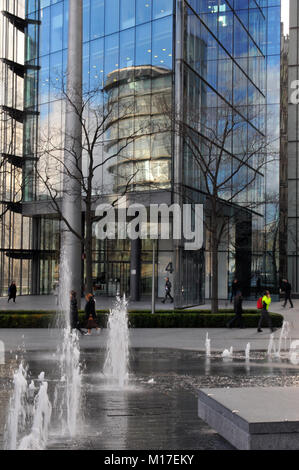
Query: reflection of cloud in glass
[285,15]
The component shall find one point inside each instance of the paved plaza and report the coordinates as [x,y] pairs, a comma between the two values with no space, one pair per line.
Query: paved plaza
[168,367]
[174,338]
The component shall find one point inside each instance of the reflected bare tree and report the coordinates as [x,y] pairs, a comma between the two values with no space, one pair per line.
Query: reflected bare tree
[226,159]
[101,148]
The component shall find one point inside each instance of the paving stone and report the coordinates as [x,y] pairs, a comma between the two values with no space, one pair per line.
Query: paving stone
[253,418]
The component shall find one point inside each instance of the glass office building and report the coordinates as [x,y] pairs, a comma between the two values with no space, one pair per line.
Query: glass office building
[214,56]
[15,242]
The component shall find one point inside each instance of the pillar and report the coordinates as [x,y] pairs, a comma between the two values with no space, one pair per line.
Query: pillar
[35,278]
[135,270]
[71,203]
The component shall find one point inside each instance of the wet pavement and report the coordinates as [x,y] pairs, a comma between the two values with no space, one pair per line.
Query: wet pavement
[158,409]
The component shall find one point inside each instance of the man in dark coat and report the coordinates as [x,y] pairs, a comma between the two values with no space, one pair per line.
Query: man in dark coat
[167,291]
[235,288]
[287,289]
[12,292]
[238,309]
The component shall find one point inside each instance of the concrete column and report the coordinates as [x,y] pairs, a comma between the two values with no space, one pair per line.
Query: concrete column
[135,270]
[71,204]
[177,171]
[35,278]
[244,253]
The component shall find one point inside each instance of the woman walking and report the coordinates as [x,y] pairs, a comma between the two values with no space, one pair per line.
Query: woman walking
[90,314]
[266,300]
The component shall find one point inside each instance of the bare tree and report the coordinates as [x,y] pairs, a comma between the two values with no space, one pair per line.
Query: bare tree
[103,148]
[226,164]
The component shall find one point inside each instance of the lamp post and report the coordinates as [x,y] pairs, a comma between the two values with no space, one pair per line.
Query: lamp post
[154,278]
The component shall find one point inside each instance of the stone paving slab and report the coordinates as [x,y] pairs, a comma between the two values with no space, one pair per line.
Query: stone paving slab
[253,418]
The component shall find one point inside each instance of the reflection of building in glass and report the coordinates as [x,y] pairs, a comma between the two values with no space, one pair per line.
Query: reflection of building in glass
[142,96]
[209,59]
[15,247]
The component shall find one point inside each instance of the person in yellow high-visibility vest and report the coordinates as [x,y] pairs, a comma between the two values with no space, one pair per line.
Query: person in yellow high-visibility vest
[265,312]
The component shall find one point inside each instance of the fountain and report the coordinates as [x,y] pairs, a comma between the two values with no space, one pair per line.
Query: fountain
[2,353]
[271,346]
[25,410]
[69,390]
[247,352]
[18,409]
[228,353]
[284,335]
[117,353]
[208,346]
[38,437]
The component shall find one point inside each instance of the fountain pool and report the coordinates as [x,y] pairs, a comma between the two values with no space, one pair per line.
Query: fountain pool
[157,408]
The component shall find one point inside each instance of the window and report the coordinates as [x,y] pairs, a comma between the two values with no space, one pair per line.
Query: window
[162,43]
[127,48]
[144,45]
[127,14]
[162,8]
[97,19]
[143,11]
[111,16]
[56,27]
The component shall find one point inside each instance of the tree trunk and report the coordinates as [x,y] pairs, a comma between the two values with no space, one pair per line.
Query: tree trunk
[275,280]
[214,265]
[88,250]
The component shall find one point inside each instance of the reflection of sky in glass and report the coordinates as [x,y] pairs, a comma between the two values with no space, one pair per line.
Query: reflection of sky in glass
[117,35]
[133,32]
[120,34]
[285,12]
[237,54]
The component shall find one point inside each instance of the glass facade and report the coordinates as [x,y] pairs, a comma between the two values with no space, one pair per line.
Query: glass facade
[231,75]
[229,67]
[290,181]
[15,238]
[128,52]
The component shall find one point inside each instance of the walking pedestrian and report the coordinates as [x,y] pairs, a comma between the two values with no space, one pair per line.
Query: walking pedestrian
[266,302]
[287,289]
[238,309]
[90,314]
[74,315]
[167,291]
[234,289]
[12,292]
